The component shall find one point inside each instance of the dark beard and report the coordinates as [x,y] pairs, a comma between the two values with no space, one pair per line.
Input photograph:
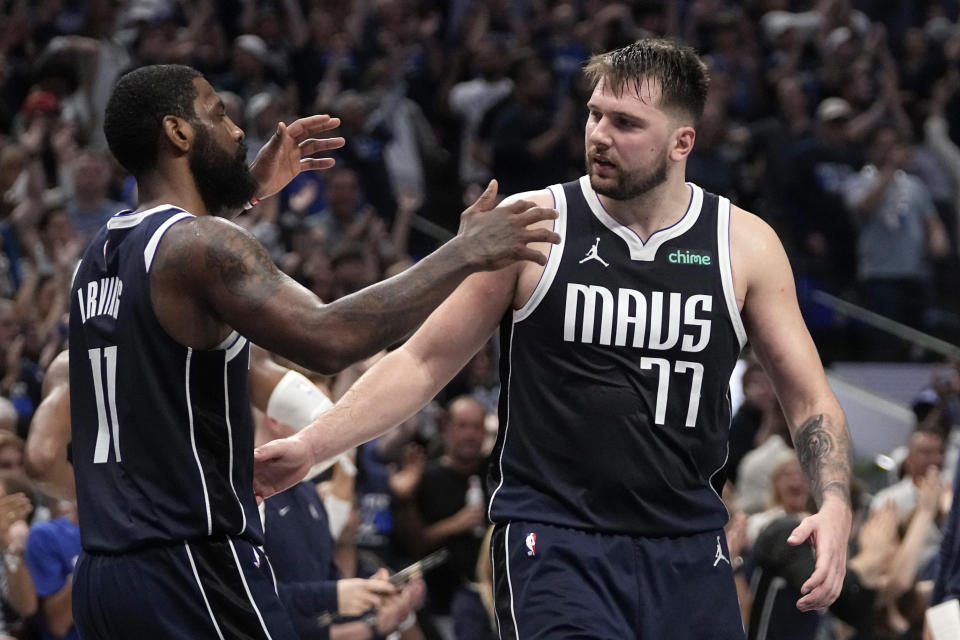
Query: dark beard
[224,181]
[630,187]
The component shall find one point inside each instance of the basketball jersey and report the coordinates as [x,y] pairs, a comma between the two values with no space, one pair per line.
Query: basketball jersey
[614,408]
[162,433]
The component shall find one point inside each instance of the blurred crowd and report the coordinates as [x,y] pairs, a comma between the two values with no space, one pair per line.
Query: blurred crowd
[835,120]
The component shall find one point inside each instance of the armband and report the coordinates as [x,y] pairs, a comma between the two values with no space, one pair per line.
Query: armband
[296,401]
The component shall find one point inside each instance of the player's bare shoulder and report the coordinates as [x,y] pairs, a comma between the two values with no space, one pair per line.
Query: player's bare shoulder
[208,252]
[528,273]
[756,253]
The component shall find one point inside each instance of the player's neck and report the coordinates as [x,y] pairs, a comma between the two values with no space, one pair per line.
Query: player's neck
[169,186]
[652,211]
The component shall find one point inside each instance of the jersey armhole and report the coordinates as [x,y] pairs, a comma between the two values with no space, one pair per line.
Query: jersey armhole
[553,258]
[726,270]
[151,250]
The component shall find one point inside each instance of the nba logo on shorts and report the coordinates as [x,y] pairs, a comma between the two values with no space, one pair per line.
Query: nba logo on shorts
[256,558]
[531,544]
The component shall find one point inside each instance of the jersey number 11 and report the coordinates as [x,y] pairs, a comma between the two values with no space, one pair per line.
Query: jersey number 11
[105,398]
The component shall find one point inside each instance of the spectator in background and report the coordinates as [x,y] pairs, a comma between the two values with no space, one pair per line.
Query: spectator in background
[89,206]
[20,377]
[8,417]
[471,99]
[300,545]
[813,201]
[11,452]
[444,512]
[925,451]
[527,134]
[754,479]
[758,399]
[789,495]
[17,593]
[899,234]
[51,553]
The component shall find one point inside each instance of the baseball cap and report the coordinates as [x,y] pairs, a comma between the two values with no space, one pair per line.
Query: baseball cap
[834,109]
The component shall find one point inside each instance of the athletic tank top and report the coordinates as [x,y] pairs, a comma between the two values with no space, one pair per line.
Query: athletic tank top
[162,433]
[614,408]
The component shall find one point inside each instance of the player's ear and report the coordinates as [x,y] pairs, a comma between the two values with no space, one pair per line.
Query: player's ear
[683,138]
[178,133]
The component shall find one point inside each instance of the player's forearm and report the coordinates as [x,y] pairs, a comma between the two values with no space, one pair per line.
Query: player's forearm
[381,315]
[822,442]
[386,395]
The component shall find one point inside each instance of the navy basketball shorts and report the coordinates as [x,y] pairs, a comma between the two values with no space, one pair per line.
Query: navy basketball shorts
[221,590]
[558,583]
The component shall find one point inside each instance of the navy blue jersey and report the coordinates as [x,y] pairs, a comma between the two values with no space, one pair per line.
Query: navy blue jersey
[615,409]
[162,433]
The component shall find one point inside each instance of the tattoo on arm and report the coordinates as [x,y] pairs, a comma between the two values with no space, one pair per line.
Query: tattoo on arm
[824,453]
[244,266]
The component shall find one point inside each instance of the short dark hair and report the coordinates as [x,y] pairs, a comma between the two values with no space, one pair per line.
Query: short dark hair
[134,116]
[678,69]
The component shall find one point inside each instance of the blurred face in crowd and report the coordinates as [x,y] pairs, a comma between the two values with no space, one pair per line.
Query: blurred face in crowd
[343,193]
[11,458]
[757,390]
[91,176]
[464,432]
[218,156]
[790,487]
[791,98]
[925,450]
[886,144]
[9,327]
[59,230]
[627,140]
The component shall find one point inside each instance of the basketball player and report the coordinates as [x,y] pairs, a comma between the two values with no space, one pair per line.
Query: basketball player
[614,410]
[163,304]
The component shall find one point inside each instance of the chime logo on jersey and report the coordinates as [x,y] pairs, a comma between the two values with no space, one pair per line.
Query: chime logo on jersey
[531,544]
[657,320]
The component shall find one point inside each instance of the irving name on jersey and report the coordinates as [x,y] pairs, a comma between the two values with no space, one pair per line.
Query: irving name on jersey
[102,298]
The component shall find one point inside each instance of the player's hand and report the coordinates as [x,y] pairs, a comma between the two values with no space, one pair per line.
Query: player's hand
[495,237]
[827,530]
[280,464]
[358,595]
[288,152]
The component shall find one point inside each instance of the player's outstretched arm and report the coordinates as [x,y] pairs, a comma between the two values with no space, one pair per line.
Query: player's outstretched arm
[222,269]
[398,385]
[776,329]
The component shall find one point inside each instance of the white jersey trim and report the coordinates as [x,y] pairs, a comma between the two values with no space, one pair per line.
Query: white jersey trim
[726,270]
[226,415]
[157,236]
[227,342]
[553,258]
[125,220]
[203,593]
[236,348]
[193,443]
[640,250]
[506,552]
[506,426]
[246,588]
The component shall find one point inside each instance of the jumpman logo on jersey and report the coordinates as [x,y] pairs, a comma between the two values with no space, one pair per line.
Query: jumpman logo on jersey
[592,255]
[720,555]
